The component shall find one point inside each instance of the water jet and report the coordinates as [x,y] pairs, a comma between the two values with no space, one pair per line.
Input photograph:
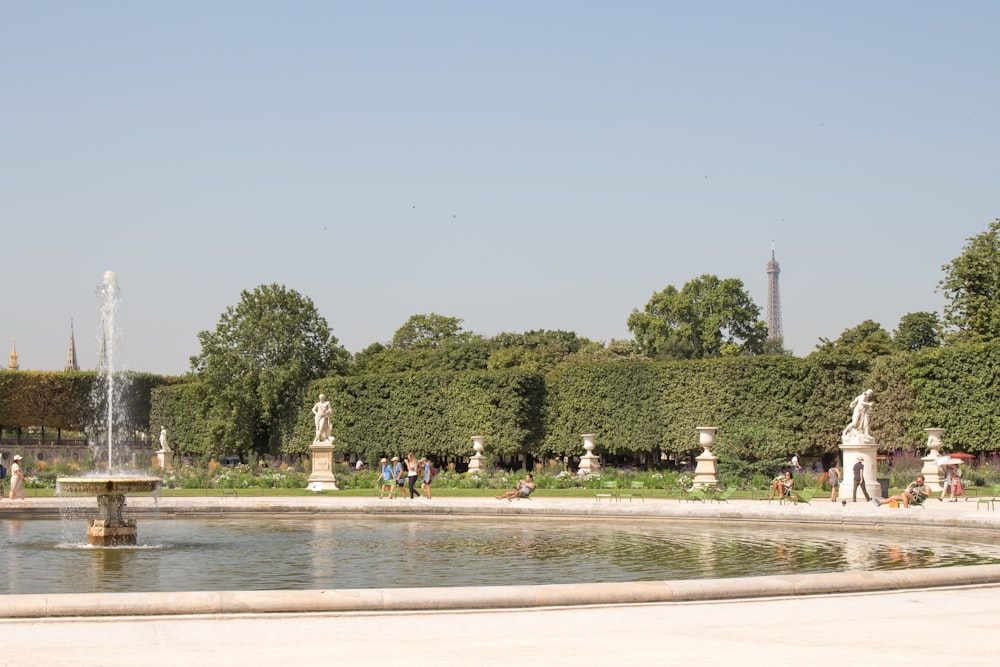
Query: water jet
[111,527]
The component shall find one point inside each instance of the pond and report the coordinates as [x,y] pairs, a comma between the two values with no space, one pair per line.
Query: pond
[218,554]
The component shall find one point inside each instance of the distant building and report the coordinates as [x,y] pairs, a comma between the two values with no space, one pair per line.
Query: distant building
[14,365]
[71,362]
[773,298]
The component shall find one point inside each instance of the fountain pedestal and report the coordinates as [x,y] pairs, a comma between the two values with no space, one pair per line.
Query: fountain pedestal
[110,528]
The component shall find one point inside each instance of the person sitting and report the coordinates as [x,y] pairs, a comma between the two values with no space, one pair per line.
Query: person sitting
[782,485]
[522,490]
[915,493]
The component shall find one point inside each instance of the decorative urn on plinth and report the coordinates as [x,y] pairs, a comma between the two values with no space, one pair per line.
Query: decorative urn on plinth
[589,462]
[477,462]
[706,472]
[930,469]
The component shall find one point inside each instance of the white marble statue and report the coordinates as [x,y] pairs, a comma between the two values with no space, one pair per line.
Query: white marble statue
[861,418]
[322,413]
[163,439]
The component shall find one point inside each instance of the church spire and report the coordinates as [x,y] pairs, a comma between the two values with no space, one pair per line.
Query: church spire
[102,356]
[13,356]
[71,362]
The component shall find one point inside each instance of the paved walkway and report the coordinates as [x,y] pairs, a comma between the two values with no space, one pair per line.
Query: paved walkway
[871,628]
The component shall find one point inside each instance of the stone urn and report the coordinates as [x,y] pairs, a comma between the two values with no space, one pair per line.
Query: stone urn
[706,472]
[477,462]
[930,469]
[589,462]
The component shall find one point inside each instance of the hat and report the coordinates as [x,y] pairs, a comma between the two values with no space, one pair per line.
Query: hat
[861,458]
[383,460]
[17,457]
[395,458]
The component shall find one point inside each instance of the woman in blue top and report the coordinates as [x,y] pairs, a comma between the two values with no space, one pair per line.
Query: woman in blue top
[427,478]
[386,479]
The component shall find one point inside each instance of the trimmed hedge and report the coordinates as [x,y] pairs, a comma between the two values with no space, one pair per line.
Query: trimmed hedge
[766,407]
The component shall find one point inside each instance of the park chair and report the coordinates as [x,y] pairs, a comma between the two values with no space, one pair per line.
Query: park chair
[633,489]
[796,496]
[990,500]
[696,494]
[607,490]
[725,495]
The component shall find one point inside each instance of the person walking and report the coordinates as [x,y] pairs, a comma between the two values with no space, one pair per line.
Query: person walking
[859,480]
[834,474]
[411,474]
[387,483]
[16,479]
[428,477]
[397,477]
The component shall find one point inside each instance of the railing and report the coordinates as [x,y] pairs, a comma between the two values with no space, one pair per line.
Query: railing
[61,442]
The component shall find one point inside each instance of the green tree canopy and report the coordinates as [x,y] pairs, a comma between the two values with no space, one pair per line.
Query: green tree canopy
[536,350]
[708,317]
[429,331]
[866,340]
[917,331]
[257,364]
[972,288]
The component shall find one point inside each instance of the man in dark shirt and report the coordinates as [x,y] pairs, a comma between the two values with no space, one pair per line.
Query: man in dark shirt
[859,480]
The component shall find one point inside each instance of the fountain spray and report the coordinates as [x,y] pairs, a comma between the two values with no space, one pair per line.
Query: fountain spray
[111,297]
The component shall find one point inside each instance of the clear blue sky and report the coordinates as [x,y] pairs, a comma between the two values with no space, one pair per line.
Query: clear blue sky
[519,165]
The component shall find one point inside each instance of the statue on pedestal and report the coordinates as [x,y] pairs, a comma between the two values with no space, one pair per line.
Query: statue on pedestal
[860,426]
[321,450]
[322,412]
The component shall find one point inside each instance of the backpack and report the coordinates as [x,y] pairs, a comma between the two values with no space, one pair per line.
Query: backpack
[3,471]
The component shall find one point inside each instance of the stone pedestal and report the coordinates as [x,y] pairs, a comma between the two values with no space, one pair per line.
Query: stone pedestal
[589,462]
[930,470]
[165,459]
[706,472]
[321,478]
[852,446]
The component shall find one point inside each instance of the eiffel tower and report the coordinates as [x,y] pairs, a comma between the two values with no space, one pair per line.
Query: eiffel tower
[773,298]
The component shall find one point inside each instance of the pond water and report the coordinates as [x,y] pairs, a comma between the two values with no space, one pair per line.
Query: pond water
[51,556]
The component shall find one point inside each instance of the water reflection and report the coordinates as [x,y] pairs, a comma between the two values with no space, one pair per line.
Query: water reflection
[258,554]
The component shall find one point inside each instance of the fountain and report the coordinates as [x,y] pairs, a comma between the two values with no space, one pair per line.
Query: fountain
[111,527]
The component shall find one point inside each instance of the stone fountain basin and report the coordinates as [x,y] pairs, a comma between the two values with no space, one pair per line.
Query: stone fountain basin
[104,485]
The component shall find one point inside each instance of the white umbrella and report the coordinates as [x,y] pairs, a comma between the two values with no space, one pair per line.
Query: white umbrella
[947,461]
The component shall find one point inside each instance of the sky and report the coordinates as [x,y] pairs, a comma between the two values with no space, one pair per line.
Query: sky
[520,165]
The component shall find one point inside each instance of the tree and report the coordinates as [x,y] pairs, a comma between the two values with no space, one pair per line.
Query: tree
[425,343]
[776,347]
[972,288]
[917,331]
[429,331]
[867,339]
[536,350]
[257,364]
[708,317]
